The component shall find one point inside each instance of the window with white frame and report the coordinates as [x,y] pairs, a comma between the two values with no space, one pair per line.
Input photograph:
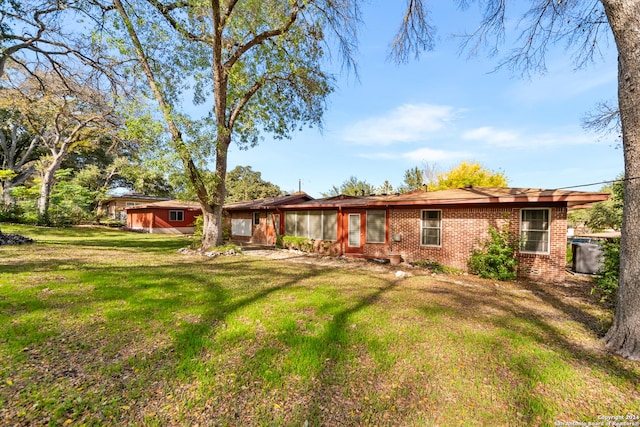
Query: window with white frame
[176,215]
[376,226]
[431,228]
[317,225]
[534,231]
[241,227]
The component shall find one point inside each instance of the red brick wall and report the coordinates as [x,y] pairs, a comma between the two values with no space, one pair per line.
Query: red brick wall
[464,227]
[549,267]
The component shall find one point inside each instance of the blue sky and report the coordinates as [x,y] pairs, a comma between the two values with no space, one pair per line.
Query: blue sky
[444,109]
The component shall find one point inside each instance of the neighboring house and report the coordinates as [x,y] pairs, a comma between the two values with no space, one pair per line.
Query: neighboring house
[166,217]
[256,221]
[114,207]
[442,226]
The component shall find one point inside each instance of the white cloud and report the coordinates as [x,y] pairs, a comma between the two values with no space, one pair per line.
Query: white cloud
[429,155]
[422,154]
[407,123]
[512,139]
[492,136]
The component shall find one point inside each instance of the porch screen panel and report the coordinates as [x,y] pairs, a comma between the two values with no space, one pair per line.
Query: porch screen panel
[290,223]
[302,224]
[241,227]
[330,225]
[315,225]
[376,222]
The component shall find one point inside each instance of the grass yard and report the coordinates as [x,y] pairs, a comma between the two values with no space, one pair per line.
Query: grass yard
[102,327]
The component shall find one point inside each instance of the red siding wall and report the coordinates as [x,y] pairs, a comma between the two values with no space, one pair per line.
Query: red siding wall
[139,219]
[161,217]
[150,219]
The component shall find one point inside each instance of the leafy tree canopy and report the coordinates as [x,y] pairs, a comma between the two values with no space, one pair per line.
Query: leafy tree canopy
[352,187]
[243,183]
[603,215]
[468,174]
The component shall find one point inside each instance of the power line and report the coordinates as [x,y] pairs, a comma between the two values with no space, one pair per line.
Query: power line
[599,183]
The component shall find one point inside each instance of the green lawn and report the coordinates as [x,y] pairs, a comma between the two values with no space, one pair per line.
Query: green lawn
[102,327]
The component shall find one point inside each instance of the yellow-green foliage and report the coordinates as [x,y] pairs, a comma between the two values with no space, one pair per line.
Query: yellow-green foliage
[468,174]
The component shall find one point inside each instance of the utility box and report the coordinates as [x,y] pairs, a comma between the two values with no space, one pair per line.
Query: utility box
[588,258]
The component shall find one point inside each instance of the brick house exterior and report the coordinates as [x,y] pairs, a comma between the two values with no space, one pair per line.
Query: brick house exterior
[443,226]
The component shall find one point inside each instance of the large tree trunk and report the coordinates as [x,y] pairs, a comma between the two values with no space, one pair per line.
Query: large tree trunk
[624,336]
[212,231]
[7,200]
[46,187]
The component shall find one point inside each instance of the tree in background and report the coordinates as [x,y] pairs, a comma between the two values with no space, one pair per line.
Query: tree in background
[608,214]
[62,115]
[468,174]
[385,188]
[352,187]
[414,179]
[243,183]
[463,175]
[18,151]
[602,215]
[70,201]
[584,27]
[417,177]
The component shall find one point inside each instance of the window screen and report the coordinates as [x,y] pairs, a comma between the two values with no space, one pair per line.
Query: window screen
[431,228]
[330,225]
[376,222]
[534,230]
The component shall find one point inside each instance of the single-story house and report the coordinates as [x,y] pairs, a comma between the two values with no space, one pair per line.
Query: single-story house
[166,217]
[258,221]
[443,226]
[114,207]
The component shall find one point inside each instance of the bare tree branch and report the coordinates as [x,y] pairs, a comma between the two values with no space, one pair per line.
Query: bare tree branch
[415,34]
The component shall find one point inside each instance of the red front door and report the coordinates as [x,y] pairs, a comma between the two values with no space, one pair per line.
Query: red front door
[355,227]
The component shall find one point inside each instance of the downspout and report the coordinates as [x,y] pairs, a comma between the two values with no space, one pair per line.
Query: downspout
[341,230]
[390,230]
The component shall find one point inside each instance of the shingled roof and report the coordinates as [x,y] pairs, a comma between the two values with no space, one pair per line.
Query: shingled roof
[269,202]
[458,196]
[167,204]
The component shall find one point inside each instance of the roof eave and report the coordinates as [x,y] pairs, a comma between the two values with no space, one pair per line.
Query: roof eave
[570,199]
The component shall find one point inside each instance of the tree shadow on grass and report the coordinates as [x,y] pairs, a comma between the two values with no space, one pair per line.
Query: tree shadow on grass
[155,318]
[104,237]
[540,338]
